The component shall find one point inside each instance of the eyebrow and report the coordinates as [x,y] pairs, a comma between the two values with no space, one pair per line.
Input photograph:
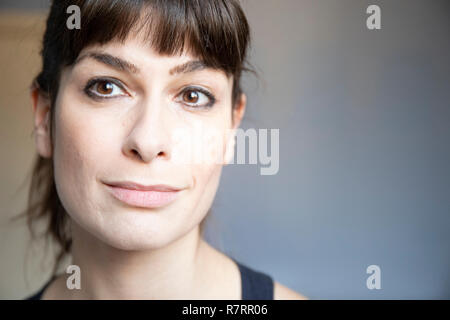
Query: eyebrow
[190,66]
[126,66]
[110,60]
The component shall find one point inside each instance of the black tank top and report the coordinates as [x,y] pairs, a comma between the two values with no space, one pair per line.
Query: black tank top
[255,285]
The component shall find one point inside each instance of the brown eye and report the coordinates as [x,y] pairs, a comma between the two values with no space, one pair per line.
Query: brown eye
[190,96]
[196,97]
[105,87]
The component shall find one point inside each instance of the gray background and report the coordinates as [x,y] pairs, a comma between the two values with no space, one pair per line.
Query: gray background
[364,119]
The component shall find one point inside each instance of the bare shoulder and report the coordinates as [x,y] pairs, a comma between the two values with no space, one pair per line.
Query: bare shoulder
[282,292]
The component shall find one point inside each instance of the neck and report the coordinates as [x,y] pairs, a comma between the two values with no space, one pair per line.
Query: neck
[171,272]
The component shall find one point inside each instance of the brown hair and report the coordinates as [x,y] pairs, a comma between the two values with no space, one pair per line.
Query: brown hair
[215,31]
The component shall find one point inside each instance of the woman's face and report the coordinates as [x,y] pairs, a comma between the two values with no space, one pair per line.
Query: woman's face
[126,114]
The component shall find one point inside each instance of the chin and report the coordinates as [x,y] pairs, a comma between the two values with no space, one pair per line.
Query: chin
[132,234]
[133,242]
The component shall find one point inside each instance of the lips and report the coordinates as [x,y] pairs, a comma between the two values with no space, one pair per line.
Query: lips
[145,196]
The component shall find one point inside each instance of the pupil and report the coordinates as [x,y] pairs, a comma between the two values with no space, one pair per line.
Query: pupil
[192,96]
[106,87]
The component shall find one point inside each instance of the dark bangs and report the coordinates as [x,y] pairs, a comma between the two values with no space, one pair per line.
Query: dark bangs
[215,31]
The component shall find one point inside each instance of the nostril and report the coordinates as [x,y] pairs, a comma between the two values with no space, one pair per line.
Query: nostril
[140,156]
[135,153]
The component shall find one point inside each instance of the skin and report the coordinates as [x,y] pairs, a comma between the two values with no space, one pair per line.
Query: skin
[129,252]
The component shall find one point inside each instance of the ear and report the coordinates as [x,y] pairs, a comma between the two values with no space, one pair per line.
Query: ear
[239,111]
[41,111]
[238,114]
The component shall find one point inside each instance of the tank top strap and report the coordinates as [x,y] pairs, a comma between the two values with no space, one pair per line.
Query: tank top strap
[256,285]
[38,294]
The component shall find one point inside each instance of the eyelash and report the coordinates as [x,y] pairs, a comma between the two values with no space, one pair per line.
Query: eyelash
[92,82]
[209,95]
[95,81]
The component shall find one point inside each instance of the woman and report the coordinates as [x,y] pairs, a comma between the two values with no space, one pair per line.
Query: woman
[117,107]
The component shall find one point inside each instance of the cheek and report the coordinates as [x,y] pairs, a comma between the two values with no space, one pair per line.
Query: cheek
[79,152]
[207,179]
[208,146]
[201,140]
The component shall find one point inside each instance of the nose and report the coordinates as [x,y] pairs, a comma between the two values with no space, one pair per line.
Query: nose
[148,136]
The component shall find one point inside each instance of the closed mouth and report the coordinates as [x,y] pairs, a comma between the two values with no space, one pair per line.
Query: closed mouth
[145,196]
